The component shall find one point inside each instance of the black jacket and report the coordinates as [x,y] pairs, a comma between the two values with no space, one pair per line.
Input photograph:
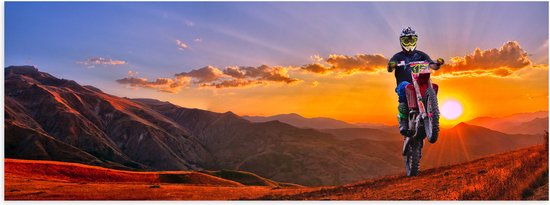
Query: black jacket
[403,73]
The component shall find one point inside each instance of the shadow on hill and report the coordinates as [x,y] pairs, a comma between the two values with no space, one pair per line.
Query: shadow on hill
[249,179]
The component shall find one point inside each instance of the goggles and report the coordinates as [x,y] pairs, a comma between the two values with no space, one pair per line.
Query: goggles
[408,40]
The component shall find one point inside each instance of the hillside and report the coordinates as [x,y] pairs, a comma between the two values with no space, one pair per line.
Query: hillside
[466,142]
[73,172]
[458,144]
[520,174]
[513,175]
[40,179]
[282,152]
[58,119]
[302,122]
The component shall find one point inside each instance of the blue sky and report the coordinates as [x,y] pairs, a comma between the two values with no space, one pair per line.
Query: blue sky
[54,36]
[58,34]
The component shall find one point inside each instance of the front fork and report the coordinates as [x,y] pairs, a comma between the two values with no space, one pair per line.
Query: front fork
[415,118]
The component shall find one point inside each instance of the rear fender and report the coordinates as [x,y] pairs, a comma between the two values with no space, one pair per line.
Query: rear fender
[411,94]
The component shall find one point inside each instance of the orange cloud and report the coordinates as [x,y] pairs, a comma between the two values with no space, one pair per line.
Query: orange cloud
[250,76]
[234,83]
[234,72]
[359,62]
[160,84]
[347,64]
[204,74]
[317,68]
[499,62]
[211,76]
[314,83]
[268,73]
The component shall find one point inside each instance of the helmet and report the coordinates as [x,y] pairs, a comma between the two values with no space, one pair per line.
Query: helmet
[408,39]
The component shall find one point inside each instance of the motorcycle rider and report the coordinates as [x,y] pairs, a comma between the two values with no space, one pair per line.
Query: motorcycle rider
[408,39]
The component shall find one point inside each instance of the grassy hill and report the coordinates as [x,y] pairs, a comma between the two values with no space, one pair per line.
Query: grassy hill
[514,175]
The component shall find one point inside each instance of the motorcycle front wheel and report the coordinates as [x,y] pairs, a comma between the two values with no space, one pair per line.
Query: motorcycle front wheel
[412,157]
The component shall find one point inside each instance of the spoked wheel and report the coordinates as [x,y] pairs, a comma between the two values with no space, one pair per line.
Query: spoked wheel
[431,123]
[412,157]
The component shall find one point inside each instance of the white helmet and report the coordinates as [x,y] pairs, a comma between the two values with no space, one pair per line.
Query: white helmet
[408,39]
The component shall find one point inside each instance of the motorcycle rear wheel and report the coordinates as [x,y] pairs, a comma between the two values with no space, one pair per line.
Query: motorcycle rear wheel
[431,123]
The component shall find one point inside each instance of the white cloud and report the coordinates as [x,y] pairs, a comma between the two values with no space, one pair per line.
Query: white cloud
[90,62]
[181,45]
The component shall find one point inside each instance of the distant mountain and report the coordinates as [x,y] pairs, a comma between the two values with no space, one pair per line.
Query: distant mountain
[280,151]
[530,127]
[302,122]
[379,126]
[365,133]
[466,142]
[522,123]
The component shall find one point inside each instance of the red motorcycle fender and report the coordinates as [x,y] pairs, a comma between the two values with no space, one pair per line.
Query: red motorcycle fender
[411,94]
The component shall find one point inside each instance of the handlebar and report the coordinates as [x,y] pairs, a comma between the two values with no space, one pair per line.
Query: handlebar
[393,65]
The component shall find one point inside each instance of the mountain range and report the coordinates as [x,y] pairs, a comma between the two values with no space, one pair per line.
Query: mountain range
[522,123]
[47,118]
[302,122]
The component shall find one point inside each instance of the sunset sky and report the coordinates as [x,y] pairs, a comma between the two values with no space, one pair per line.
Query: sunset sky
[314,59]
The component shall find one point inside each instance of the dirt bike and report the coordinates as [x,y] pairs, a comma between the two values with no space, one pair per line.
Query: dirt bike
[423,115]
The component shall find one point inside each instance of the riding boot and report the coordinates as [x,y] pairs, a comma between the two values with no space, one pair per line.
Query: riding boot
[403,119]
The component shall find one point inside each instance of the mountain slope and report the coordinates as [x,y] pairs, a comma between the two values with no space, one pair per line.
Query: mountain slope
[74,172]
[507,176]
[458,144]
[112,129]
[466,142]
[359,153]
[279,151]
[302,122]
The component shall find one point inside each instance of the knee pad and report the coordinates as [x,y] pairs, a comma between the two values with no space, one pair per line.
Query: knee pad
[403,109]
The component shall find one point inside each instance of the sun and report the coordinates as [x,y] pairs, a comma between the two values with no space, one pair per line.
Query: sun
[451,109]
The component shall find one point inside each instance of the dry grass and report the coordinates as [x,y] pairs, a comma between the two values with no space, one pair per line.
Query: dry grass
[499,177]
[48,180]
[26,189]
[74,172]
[509,176]
[508,179]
